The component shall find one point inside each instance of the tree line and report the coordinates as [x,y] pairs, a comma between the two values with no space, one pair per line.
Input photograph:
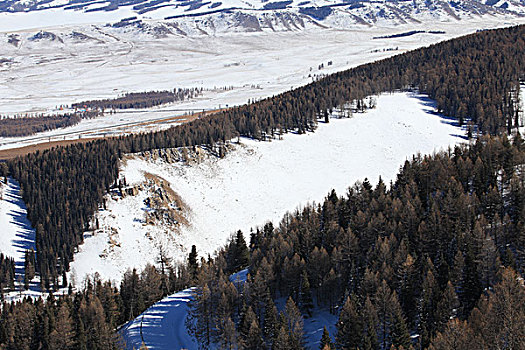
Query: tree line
[140,99]
[435,260]
[30,125]
[474,76]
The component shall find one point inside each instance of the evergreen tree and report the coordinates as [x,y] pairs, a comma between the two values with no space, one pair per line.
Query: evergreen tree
[62,337]
[294,322]
[271,319]
[349,326]
[326,341]
[400,334]
[193,265]
[305,295]
[254,340]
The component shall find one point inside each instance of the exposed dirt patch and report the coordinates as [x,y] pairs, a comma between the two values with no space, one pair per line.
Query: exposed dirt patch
[166,206]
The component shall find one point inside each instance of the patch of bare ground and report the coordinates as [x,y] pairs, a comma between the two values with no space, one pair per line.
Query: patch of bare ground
[166,205]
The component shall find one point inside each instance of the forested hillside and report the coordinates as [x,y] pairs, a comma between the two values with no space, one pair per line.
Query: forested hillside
[476,76]
[401,266]
[86,319]
[435,260]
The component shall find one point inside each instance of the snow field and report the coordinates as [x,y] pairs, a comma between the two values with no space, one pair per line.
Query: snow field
[261,181]
[16,233]
[256,65]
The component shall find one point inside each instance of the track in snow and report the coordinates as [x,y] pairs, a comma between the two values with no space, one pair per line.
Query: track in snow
[162,326]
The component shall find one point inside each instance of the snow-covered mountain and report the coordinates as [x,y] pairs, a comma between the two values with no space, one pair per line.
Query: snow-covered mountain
[250,15]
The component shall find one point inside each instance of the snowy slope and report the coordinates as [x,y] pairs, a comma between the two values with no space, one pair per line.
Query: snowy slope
[260,181]
[16,233]
[162,326]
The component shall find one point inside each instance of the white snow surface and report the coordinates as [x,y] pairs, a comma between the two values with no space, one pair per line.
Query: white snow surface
[16,233]
[162,326]
[261,181]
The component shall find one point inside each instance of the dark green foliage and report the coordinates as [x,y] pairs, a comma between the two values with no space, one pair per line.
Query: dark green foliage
[238,255]
[305,295]
[29,267]
[7,273]
[326,341]
[193,265]
[140,99]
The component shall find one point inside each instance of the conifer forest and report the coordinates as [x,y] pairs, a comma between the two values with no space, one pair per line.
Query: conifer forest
[432,260]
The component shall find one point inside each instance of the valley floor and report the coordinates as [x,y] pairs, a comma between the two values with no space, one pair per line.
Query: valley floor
[232,68]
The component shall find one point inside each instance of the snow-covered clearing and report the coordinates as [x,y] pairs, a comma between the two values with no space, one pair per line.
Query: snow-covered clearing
[261,181]
[162,326]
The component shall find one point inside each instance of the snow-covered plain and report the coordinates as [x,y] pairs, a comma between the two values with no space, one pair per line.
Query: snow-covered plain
[110,61]
[261,181]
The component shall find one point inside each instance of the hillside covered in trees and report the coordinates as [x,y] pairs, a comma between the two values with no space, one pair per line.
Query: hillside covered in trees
[476,76]
[30,125]
[435,260]
[401,260]
[140,99]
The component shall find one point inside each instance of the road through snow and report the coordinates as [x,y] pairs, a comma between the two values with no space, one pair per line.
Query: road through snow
[162,326]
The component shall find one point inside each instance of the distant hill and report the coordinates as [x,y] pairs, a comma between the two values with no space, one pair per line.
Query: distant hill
[256,15]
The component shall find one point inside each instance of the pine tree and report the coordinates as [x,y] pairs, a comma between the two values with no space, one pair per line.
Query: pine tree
[326,341]
[349,326]
[294,322]
[193,265]
[241,253]
[446,307]
[370,341]
[457,335]
[400,334]
[282,339]
[254,340]
[201,316]
[305,295]
[228,338]
[271,319]
[62,337]
[384,301]
[247,318]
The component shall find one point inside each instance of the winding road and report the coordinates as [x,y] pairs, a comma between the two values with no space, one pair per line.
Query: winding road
[162,326]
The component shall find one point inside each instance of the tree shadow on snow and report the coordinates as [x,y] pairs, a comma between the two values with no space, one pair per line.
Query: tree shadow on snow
[25,234]
[430,107]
